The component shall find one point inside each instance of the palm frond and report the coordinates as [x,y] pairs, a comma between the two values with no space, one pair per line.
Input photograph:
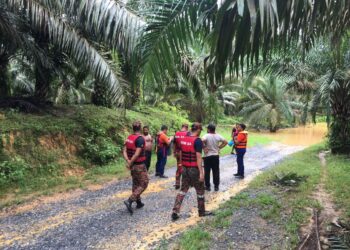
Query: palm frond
[68,39]
[110,21]
[248,28]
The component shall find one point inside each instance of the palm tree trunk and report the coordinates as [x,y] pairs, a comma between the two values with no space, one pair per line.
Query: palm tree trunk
[100,95]
[42,84]
[4,88]
[339,137]
[303,119]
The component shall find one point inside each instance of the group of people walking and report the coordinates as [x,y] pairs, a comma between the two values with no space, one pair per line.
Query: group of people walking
[193,168]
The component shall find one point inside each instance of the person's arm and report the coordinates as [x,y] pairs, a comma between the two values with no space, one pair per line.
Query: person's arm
[180,158]
[236,139]
[200,167]
[151,141]
[223,142]
[126,158]
[125,154]
[199,147]
[205,148]
[167,140]
[135,156]
[174,147]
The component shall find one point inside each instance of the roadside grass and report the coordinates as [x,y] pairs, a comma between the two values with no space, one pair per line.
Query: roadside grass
[284,206]
[195,239]
[337,182]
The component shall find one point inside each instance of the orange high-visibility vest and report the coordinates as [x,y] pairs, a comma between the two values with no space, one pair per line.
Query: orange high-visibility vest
[242,143]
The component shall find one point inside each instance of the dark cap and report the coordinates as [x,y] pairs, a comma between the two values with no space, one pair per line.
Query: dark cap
[211,127]
[136,126]
[196,126]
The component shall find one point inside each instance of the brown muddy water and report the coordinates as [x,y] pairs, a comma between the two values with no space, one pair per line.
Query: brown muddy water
[302,136]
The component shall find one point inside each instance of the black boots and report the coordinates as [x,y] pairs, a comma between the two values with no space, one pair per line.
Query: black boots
[205,213]
[174,216]
[128,204]
[139,204]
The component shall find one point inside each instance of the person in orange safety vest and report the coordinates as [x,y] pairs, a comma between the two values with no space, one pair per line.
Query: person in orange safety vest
[241,146]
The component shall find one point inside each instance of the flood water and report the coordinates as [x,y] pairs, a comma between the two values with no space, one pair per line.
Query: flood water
[302,136]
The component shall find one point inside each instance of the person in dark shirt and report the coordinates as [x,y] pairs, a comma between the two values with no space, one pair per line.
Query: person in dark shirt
[192,173]
[134,155]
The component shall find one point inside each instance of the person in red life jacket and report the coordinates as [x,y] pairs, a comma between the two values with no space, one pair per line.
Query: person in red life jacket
[134,155]
[192,170]
[148,147]
[241,146]
[163,142]
[179,135]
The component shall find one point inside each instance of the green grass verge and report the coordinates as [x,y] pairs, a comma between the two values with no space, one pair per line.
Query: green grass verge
[338,180]
[195,239]
[288,210]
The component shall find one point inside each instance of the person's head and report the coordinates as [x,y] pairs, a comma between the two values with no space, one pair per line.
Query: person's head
[211,128]
[136,126]
[145,130]
[241,127]
[234,129]
[196,128]
[164,128]
[184,127]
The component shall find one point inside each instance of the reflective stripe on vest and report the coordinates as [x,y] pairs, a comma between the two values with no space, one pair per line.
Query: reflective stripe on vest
[188,152]
[131,148]
[178,137]
[243,143]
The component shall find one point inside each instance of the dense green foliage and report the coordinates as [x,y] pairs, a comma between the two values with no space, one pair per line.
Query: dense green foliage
[200,56]
[70,138]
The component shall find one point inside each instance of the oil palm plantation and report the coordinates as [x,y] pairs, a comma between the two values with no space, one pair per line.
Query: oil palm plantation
[269,104]
[66,25]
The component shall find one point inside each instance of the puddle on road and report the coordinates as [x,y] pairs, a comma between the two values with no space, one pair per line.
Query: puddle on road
[213,202]
[301,136]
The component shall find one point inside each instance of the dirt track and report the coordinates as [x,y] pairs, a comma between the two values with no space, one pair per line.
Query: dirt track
[98,219]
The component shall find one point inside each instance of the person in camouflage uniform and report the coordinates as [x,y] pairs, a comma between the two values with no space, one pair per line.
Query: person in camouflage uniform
[134,155]
[179,135]
[192,171]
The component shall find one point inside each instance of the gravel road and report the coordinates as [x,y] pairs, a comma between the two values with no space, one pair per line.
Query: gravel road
[98,219]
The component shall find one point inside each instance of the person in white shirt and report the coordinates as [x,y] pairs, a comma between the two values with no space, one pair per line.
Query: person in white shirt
[212,143]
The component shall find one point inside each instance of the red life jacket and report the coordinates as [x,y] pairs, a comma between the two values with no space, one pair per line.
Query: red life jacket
[179,135]
[131,148]
[188,152]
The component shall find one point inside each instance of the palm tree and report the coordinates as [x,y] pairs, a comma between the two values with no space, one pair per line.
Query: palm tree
[246,29]
[65,24]
[269,104]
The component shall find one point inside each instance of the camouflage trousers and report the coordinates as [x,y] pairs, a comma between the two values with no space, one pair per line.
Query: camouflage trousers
[178,171]
[190,178]
[139,181]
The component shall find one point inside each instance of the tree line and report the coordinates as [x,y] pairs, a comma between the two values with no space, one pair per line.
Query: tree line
[270,61]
